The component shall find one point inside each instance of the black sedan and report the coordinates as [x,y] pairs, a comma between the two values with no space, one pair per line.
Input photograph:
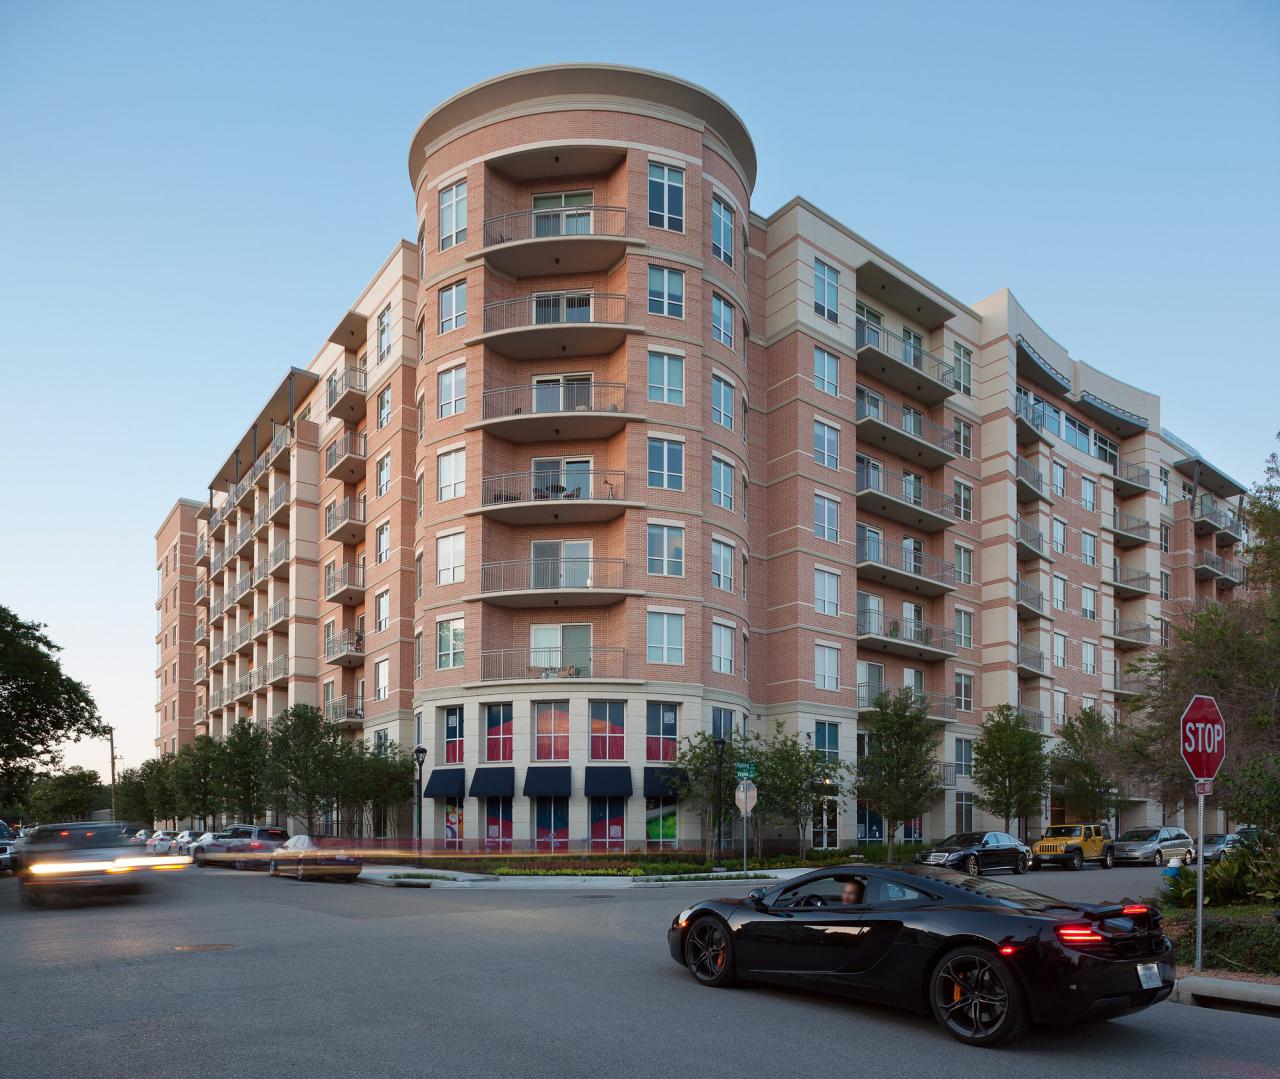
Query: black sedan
[978,852]
[986,958]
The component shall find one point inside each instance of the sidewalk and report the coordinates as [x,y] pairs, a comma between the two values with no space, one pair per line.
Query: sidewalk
[385,876]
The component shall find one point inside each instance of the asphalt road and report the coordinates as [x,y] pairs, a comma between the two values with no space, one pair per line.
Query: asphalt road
[330,979]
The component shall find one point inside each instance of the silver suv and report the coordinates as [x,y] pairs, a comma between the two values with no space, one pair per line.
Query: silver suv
[1153,845]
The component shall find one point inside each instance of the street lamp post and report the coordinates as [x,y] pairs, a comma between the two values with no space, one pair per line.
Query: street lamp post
[719,744]
[420,758]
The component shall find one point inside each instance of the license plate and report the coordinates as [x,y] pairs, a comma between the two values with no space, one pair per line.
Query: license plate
[1149,975]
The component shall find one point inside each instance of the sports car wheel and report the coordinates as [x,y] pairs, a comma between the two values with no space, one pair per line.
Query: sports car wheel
[976,999]
[1109,860]
[1158,860]
[708,952]
[1077,861]
[1020,866]
[972,867]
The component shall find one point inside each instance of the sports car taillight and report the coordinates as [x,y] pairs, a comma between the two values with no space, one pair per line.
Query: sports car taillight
[1077,934]
[1137,908]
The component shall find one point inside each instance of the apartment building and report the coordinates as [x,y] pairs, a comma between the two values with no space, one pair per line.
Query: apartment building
[178,630]
[607,457]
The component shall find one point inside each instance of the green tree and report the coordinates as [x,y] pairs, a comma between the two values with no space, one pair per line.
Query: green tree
[66,795]
[195,779]
[15,786]
[131,798]
[1087,762]
[899,775]
[1261,513]
[157,776]
[305,750]
[1253,792]
[694,782]
[1010,767]
[793,778]
[40,706]
[241,771]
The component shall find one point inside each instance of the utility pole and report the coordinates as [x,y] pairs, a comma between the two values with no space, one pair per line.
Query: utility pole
[111,737]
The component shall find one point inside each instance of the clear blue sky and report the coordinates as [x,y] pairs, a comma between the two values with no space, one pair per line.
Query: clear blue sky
[191,194]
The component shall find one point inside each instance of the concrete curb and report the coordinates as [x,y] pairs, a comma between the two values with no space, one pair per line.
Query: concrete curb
[1223,993]
[386,882]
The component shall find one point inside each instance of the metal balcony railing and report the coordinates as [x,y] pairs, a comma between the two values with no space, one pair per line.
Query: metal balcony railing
[552,573]
[279,441]
[261,518]
[216,697]
[1209,561]
[201,588]
[200,672]
[1131,578]
[219,561]
[1132,630]
[201,549]
[509,401]
[348,575]
[278,613]
[1032,717]
[280,496]
[908,559]
[905,352]
[947,773]
[937,705]
[345,642]
[564,483]
[244,535]
[1030,596]
[542,663]
[260,571]
[1030,535]
[1221,517]
[348,379]
[1129,683]
[1232,571]
[342,709]
[202,631]
[1030,412]
[279,554]
[349,509]
[904,489]
[1131,524]
[1132,472]
[926,634]
[1030,475]
[908,420]
[216,606]
[1031,656]
[560,221]
[348,445]
[259,467]
[277,669]
[555,309]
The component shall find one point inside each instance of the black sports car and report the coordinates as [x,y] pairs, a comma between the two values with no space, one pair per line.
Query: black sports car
[987,958]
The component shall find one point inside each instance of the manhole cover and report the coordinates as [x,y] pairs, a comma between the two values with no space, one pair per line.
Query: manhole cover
[202,947]
[594,896]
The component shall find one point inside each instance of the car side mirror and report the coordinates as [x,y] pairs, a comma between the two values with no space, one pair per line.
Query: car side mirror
[756,896]
[985,843]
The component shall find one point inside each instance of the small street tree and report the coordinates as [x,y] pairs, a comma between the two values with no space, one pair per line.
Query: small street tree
[241,771]
[1010,767]
[694,782]
[1086,761]
[157,776]
[195,779]
[66,795]
[131,798]
[305,752]
[794,778]
[899,775]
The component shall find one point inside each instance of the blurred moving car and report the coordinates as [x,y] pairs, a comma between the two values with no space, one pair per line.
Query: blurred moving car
[1154,845]
[8,838]
[183,840]
[976,853]
[1220,845]
[244,846]
[79,857]
[161,841]
[309,857]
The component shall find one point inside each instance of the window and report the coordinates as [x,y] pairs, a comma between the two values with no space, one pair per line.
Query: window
[722,720]
[722,402]
[1089,657]
[721,648]
[964,629]
[1059,649]
[826,518]
[422,339]
[1166,585]
[1059,593]
[453,307]
[384,333]
[1088,548]
[449,636]
[607,731]
[964,439]
[963,495]
[451,475]
[417,655]
[962,368]
[1164,486]
[666,464]
[721,565]
[381,612]
[826,739]
[450,558]
[964,756]
[826,667]
[1088,493]
[660,823]
[666,378]
[666,551]
[607,822]
[498,739]
[383,474]
[1089,602]
[665,637]
[551,823]
[384,407]
[721,230]
[1059,706]
[1105,450]
[453,215]
[381,743]
[453,734]
[417,568]
[721,320]
[826,592]
[666,197]
[964,692]
[1164,539]
[1076,434]
[551,730]
[666,292]
[964,565]
[419,493]
[381,679]
[1163,623]
[382,543]
[1059,535]
[826,445]
[497,822]
[721,483]
[826,372]
[964,811]
[1059,479]
[422,417]
[660,731]
[826,291]
[451,391]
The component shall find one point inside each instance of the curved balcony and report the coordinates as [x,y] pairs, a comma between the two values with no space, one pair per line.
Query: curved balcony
[345,584]
[556,324]
[345,458]
[900,566]
[568,495]
[344,393]
[906,366]
[903,499]
[552,664]
[344,521]
[552,411]
[904,636]
[555,582]
[940,706]
[563,240]
[345,649]
[903,432]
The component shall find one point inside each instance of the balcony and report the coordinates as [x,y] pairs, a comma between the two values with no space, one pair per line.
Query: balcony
[1127,530]
[202,593]
[260,574]
[202,720]
[202,673]
[217,605]
[344,394]
[555,410]
[345,584]
[244,491]
[219,562]
[556,325]
[1207,565]
[244,589]
[1130,635]
[1031,661]
[278,614]
[345,458]
[947,772]
[344,521]
[345,712]
[904,636]
[1030,482]
[1209,516]
[555,582]
[908,568]
[903,499]
[258,476]
[278,560]
[904,432]
[202,552]
[552,664]
[277,671]
[1129,685]
[563,496]
[1032,717]
[242,639]
[1129,583]
[888,358]
[261,518]
[1029,421]
[258,627]
[345,649]
[1130,479]
[563,240]
[216,698]
[202,631]
[1232,574]
[278,453]
[1030,542]
[243,538]
[280,503]
[941,706]
[1031,601]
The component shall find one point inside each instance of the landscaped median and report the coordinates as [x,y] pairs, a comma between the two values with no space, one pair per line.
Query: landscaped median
[558,877]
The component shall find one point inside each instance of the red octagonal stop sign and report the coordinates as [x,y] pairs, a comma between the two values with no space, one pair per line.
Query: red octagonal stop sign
[1204,737]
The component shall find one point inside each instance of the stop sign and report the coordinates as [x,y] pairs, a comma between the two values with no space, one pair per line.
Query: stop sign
[1204,737]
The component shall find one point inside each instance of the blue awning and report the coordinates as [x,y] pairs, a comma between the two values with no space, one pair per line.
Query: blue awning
[446,783]
[555,781]
[659,782]
[608,781]
[493,782]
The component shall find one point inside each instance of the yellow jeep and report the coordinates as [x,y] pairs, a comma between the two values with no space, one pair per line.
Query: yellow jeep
[1072,845]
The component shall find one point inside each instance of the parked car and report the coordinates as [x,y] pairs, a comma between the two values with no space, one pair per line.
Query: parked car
[243,846]
[309,857]
[79,857]
[8,838]
[976,853]
[1072,845]
[1255,838]
[1155,845]
[183,840]
[1220,845]
[141,836]
[987,958]
[161,841]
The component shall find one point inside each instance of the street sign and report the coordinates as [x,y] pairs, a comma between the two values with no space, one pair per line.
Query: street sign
[745,797]
[745,770]
[1204,787]
[1204,737]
